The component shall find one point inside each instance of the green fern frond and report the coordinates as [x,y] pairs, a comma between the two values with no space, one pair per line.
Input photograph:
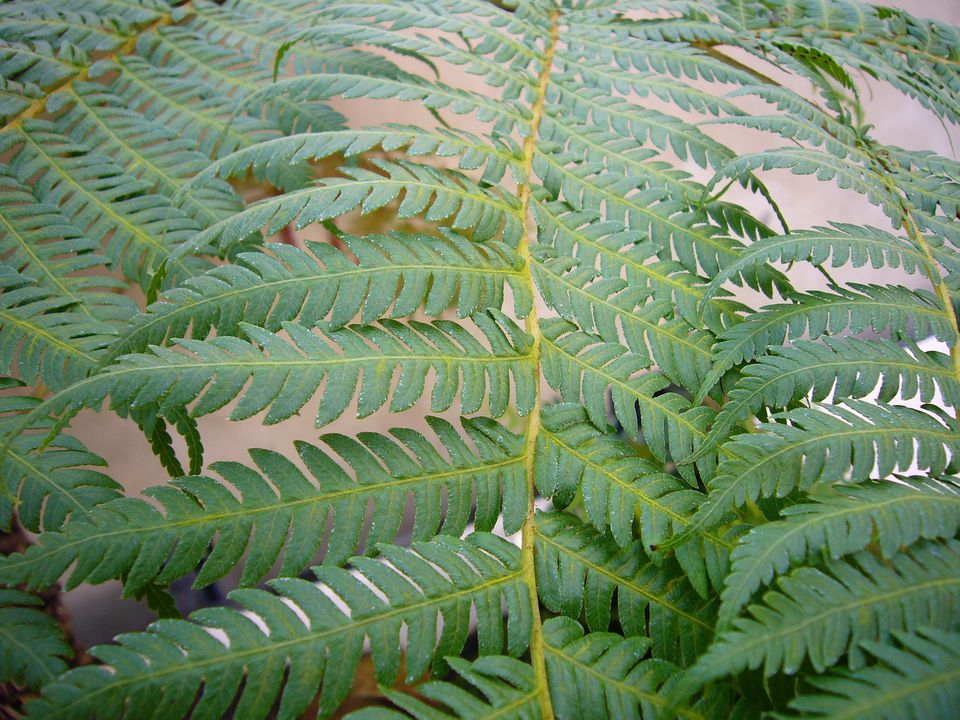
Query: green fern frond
[583,369]
[235,73]
[578,571]
[285,374]
[899,311]
[615,483]
[604,306]
[838,369]
[778,494]
[583,236]
[920,678]
[507,690]
[824,166]
[828,443]
[43,337]
[396,274]
[147,150]
[32,649]
[823,615]
[270,156]
[55,485]
[37,241]
[86,30]
[277,510]
[138,231]
[842,244]
[438,195]
[893,514]
[191,107]
[610,679]
[318,630]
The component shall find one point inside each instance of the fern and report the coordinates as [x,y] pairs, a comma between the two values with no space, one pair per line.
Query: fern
[32,651]
[908,681]
[728,492]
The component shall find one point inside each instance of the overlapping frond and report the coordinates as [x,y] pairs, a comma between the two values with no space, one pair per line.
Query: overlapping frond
[852,442]
[609,678]
[616,484]
[893,514]
[894,310]
[502,687]
[579,570]
[138,229]
[838,369]
[823,615]
[53,486]
[583,369]
[43,337]
[918,677]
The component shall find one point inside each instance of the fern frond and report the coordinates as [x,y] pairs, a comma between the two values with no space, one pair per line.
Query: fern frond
[285,374]
[920,678]
[823,615]
[894,514]
[232,72]
[32,649]
[277,510]
[37,66]
[610,679]
[892,309]
[137,229]
[84,29]
[303,627]
[37,241]
[394,276]
[614,45]
[578,571]
[582,369]
[828,443]
[616,484]
[511,81]
[192,108]
[472,153]
[584,236]
[505,115]
[52,486]
[602,306]
[644,125]
[838,369]
[147,150]
[507,690]
[438,195]
[841,244]
[824,166]
[42,337]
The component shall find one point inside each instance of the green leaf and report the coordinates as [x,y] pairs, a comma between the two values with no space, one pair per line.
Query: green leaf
[318,629]
[918,677]
[253,516]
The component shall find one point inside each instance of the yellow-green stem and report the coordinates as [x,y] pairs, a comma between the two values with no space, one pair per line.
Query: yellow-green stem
[537,651]
[941,290]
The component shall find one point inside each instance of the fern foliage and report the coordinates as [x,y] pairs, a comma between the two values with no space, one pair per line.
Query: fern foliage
[646,467]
